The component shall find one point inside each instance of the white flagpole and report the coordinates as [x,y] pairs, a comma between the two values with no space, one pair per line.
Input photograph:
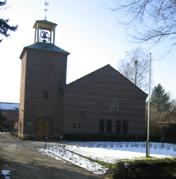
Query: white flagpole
[148,118]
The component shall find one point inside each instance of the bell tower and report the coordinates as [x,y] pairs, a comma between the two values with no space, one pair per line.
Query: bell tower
[44,31]
[43,77]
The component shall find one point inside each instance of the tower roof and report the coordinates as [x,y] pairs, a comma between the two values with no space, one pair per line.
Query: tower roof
[44,38]
[44,24]
[44,46]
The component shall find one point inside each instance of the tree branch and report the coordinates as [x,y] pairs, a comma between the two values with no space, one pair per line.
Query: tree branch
[160,15]
[2,3]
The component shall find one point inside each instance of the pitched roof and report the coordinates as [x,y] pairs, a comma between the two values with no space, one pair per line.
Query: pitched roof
[44,46]
[109,68]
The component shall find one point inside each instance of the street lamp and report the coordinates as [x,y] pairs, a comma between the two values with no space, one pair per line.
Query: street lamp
[148,118]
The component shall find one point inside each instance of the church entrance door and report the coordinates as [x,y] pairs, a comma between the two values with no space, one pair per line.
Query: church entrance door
[43,128]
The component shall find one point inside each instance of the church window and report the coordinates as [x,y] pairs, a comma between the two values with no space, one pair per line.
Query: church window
[125,127]
[79,125]
[45,94]
[102,125]
[114,106]
[109,126]
[74,125]
[118,126]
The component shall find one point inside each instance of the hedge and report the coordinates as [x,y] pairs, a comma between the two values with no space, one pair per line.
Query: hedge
[145,169]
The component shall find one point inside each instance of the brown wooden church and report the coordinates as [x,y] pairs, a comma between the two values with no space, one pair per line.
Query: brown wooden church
[103,102]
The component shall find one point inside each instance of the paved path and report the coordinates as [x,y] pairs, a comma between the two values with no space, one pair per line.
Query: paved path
[25,162]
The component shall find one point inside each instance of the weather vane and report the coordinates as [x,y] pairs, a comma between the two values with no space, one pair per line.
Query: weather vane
[46,9]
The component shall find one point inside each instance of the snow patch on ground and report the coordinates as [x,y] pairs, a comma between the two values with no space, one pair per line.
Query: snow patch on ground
[109,152]
[60,152]
[5,174]
[2,133]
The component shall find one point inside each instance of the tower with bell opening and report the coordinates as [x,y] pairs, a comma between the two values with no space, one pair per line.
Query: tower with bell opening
[43,77]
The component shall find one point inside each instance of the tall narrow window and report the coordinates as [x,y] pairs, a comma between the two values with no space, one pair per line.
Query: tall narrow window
[45,94]
[109,126]
[102,125]
[118,126]
[125,127]
[79,125]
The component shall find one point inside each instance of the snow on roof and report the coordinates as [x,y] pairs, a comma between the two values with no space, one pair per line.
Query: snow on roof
[9,106]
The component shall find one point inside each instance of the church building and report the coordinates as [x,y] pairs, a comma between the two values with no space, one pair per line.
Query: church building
[101,103]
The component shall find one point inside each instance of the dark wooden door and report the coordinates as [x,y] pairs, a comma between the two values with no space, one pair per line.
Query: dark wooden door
[43,128]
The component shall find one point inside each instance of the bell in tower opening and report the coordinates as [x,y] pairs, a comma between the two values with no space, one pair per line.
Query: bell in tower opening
[45,36]
[44,31]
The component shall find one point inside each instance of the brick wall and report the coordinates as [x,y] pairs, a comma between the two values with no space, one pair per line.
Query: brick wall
[43,72]
[104,95]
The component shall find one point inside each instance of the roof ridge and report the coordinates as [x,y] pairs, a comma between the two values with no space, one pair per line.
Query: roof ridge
[89,74]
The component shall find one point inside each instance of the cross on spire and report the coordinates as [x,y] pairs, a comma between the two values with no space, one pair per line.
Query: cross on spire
[46,9]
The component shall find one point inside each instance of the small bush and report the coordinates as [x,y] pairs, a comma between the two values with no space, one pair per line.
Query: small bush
[145,169]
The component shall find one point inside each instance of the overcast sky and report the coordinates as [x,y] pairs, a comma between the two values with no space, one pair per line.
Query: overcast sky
[87,29]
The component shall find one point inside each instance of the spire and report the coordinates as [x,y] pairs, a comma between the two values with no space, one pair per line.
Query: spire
[46,9]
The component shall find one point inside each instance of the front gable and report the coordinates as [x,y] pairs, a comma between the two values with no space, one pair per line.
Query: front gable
[106,78]
[104,102]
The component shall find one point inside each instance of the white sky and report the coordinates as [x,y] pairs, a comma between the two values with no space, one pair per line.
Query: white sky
[87,29]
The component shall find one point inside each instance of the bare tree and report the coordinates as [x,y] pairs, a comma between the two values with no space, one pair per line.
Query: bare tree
[4,26]
[151,19]
[135,67]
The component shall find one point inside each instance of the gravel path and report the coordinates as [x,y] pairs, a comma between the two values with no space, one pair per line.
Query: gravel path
[25,162]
